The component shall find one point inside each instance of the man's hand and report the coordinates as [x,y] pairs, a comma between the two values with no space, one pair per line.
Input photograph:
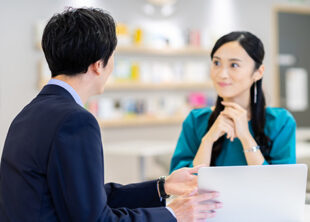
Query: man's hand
[182,181]
[194,207]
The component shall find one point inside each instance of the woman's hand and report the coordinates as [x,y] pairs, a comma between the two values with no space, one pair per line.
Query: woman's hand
[239,116]
[223,124]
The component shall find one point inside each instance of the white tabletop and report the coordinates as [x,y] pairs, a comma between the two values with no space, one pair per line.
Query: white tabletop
[307,213]
[140,148]
[302,150]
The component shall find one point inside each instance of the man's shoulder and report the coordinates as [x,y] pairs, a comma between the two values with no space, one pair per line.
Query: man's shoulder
[79,117]
[51,110]
[70,112]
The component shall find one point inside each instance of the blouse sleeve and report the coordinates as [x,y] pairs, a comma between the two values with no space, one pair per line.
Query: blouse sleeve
[284,144]
[187,145]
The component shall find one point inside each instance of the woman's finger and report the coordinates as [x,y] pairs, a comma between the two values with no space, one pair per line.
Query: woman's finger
[233,105]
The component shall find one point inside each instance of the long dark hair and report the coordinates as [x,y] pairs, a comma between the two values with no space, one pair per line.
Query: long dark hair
[255,49]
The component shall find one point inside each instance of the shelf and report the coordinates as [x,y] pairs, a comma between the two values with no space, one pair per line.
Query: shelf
[159,86]
[120,86]
[141,121]
[187,51]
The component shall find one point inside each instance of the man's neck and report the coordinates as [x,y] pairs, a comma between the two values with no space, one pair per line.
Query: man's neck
[76,83]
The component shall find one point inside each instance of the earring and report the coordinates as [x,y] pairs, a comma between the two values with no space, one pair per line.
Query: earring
[255,93]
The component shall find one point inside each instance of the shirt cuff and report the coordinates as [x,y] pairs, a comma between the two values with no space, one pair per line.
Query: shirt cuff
[171,211]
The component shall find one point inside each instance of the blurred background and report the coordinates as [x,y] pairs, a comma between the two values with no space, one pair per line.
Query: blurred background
[161,69]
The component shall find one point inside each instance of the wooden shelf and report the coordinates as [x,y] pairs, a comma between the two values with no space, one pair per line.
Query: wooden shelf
[159,86]
[190,51]
[141,121]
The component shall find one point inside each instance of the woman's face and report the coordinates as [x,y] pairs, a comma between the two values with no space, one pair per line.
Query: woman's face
[233,73]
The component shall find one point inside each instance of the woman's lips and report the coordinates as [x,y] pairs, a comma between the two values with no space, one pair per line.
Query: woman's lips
[223,84]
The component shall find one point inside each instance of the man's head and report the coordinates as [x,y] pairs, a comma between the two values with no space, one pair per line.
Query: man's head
[77,38]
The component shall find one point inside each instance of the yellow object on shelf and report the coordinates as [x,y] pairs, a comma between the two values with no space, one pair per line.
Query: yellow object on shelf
[123,35]
[135,72]
[137,39]
[121,29]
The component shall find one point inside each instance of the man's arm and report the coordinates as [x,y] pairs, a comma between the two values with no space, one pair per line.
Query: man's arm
[134,195]
[76,178]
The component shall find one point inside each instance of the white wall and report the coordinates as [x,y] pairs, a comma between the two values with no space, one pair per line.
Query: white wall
[19,57]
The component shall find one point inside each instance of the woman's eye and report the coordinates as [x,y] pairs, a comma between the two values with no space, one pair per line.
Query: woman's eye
[234,65]
[216,63]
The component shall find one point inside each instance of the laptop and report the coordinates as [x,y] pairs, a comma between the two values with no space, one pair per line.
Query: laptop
[269,193]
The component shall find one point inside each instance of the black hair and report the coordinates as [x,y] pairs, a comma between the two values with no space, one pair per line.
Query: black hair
[255,49]
[76,38]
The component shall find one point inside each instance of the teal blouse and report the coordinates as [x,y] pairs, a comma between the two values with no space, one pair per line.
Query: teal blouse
[280,127]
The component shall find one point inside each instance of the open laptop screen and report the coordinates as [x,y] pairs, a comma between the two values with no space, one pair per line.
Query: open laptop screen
[271,193]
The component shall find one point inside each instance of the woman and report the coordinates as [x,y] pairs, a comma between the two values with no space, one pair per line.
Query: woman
[239,130]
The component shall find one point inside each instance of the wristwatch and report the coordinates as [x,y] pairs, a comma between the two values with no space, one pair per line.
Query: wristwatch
[252,149]
[161,182]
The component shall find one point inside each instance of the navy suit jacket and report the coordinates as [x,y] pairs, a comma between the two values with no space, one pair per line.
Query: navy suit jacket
[52,169]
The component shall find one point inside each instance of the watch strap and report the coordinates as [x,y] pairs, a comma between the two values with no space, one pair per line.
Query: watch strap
[161,187]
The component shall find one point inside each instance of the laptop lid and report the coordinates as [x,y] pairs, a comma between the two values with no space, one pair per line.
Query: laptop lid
[269,193]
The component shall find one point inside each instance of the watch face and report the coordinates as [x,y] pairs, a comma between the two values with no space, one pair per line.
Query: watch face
[166,196]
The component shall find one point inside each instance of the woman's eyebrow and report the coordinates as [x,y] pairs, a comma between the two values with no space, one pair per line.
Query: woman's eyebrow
[231,59]
[235,59]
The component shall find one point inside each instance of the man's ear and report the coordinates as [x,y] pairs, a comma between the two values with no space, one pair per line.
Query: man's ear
[258,74]
[96,67]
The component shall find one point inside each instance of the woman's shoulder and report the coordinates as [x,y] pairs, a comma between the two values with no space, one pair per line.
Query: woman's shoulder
[278,114]
[199,115]
[201,112]
[197,120]
[277,118]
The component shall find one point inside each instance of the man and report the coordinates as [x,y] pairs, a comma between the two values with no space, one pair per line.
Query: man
[52,162]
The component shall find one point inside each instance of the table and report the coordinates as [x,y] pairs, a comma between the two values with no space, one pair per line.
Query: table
[303,156]
[142,150]
[307,213]
[303,150]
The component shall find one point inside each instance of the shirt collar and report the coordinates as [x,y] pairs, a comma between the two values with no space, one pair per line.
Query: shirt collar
[67,87]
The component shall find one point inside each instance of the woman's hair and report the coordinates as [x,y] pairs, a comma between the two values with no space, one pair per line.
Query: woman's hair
[255,49]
